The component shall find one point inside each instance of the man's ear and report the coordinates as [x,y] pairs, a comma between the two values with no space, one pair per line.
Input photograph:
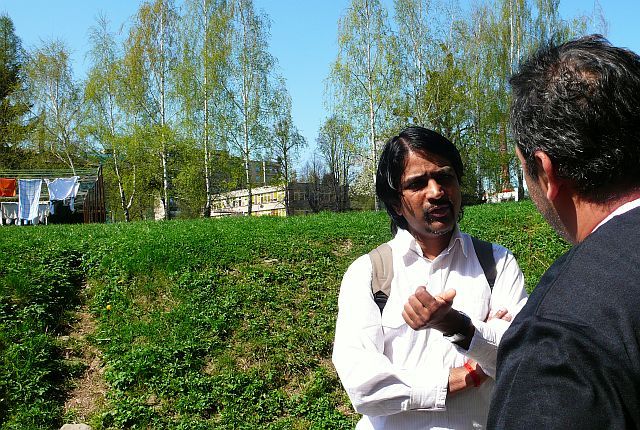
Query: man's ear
[398,208]
[547,177]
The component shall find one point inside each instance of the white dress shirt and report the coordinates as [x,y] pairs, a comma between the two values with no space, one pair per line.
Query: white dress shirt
[397,377]
[63,189]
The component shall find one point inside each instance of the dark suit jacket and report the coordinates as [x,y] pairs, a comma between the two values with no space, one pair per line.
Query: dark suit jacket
[571,358]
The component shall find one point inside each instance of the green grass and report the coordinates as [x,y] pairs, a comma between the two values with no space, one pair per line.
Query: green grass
[202,324]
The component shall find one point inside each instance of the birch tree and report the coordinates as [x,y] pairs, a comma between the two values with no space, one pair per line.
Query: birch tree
[106,119]
[287,140]
[427,63]
[337,146]
[205,49]
[519,17]
[150,54]
[247,86]
[57,102]
[362,72]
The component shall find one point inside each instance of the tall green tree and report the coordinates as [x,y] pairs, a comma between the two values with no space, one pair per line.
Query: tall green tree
[430,65]
[455,68]
[205,52]
[529,24]
[248,86]
[433,65]
[336,144]
[106,119]
[519,12]
[57,101]
[415,20]
[483,88]
[362,72]
[151,52]
[14,108]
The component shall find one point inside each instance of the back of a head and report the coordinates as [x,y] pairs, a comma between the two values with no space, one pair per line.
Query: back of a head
[579,102]
[392,163]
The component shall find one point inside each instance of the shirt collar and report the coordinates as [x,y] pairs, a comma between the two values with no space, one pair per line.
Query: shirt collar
[619,211]
[407,243]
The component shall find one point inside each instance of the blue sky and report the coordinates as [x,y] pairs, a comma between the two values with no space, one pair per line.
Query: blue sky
[303,37]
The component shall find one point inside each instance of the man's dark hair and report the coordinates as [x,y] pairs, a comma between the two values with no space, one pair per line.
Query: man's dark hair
[393,160]
[579,102]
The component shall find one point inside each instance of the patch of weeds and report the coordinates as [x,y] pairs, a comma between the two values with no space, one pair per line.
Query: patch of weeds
[202,324]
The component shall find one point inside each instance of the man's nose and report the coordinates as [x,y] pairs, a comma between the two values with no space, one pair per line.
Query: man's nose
[434,189]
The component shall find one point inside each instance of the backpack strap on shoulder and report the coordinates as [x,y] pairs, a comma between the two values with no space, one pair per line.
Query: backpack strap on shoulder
[382,264]
[484,252]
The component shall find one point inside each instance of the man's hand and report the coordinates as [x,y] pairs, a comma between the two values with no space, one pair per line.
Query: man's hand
[501,314]
[423,310]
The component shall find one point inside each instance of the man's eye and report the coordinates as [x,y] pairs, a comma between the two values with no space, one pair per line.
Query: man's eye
[446,178]
[415,185]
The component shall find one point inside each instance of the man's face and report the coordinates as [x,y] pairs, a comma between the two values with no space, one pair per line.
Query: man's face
[430,196]
[544,206]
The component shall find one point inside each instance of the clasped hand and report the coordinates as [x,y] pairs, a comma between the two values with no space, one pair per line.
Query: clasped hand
[423,310]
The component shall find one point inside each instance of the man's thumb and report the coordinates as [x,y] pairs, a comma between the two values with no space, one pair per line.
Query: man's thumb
[448,295]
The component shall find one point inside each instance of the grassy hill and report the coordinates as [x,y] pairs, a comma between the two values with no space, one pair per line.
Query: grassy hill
[196,324]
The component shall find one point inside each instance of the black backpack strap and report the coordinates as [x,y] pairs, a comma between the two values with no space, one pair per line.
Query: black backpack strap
[382,264]
[484,252]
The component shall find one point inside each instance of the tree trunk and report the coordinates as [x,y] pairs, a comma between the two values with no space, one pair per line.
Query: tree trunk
[205,143]
[163,155]
[285,161]
[123,198]
[504,176]
[372,127]
[247,166]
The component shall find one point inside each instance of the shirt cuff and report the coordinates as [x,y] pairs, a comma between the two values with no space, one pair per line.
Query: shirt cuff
[430,392]
[484,344]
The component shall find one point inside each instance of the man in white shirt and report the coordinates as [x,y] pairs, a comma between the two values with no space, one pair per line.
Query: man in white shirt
[427,358]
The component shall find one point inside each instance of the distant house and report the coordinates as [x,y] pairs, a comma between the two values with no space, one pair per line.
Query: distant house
[263,175]
[304,198]
[267,200]
[264,172]
[503,196]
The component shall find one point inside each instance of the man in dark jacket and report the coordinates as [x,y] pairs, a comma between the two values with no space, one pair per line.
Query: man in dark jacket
[571,358]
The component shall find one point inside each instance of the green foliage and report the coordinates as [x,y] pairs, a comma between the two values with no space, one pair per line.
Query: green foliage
[13,107]
[39,285]
[58,102]
[202,324]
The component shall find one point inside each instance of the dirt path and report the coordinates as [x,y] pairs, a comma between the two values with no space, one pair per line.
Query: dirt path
[88,394]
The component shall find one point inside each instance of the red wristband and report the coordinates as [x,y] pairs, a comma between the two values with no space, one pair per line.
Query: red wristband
[474,375]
